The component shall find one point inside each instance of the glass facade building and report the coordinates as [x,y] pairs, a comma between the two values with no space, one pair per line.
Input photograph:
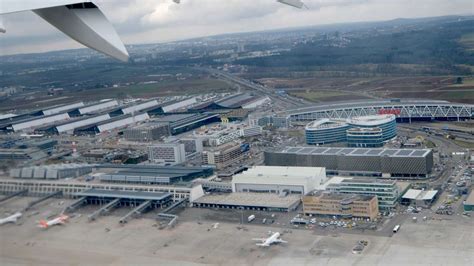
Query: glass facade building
[365,137]
[325,131]
[387,123]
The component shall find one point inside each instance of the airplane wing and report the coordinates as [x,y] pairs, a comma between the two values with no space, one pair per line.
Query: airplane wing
[279,240]
[259,239]
[81,20]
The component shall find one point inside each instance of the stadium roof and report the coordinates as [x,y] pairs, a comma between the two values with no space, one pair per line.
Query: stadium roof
[365,103]
[357,151]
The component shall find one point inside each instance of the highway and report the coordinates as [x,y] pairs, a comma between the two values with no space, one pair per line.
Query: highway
[287,100]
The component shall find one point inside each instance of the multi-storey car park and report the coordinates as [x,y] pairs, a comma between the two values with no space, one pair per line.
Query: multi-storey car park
[389,163]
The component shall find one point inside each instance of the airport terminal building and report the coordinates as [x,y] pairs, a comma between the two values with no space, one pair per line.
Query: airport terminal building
[388,163]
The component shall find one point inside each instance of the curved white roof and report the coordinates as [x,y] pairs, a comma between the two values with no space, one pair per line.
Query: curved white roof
[325,123]
[371,120]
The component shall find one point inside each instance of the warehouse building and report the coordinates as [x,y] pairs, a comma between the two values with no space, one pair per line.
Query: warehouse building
[62,108]
[31,123]
[386,191]
[393,163]
[152,174]
[279,180]
[58,171]
[136,108]
[235,101]
[249,201]
[112,124]
[70,126]
[6,123]
[22,155]
[170,153]
[174,106]
[97,107]
[181,123]
[147,132]
[341,205]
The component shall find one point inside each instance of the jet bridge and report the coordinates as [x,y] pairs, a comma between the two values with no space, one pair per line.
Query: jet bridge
[141,200]
[22,192]
[107,208]
[33,203]
[76,204]
[137,211]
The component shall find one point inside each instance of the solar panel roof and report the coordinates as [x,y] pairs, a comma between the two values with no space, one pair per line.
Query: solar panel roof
[418,153]
[404,152]
[359,152]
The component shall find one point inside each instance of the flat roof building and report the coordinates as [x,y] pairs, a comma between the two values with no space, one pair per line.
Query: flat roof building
[225,155]
[394,163]
[387,191]
[279,180]
[249,201]
[341,205]
[147,132]
[169,153]
[421,198]
[153,174]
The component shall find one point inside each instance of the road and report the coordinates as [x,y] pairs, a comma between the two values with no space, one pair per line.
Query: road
[285,101]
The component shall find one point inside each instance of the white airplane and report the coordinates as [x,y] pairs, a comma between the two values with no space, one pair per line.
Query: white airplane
[83,21]
[56,221]
[11,219]
[273,239]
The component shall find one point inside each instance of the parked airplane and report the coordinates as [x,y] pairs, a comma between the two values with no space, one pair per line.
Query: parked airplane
[273,239]
[83,21]
[56,221]
[11,219]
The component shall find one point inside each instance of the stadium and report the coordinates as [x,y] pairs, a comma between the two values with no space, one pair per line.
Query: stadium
[405,110]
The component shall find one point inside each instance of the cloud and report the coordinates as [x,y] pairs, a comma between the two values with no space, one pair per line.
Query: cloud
[149,21]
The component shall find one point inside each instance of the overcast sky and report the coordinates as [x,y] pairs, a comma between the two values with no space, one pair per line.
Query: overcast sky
[150,21]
